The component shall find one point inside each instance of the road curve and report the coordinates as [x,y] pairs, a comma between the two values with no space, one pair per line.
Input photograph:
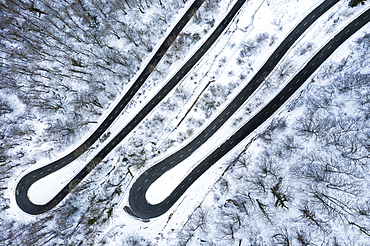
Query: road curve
[138,205]
[35,175]
[25,182]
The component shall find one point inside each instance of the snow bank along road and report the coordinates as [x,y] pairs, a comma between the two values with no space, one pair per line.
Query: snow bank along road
[25,183]
[138,205]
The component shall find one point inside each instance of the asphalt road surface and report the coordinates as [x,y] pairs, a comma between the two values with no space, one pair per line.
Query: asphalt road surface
[138,205]
[25,182]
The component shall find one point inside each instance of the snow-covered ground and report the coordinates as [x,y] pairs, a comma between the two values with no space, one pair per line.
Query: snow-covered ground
[217,78]
[45,189]
[318,35]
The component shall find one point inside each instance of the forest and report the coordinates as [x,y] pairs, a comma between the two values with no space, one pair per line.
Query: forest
[302,180]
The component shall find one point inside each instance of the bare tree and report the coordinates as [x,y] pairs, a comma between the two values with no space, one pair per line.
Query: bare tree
[282,237]
[308,214]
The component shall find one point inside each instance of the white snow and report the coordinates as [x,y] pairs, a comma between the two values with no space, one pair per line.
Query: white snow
[45,189]
[57,180]
[165,184]
[276,18]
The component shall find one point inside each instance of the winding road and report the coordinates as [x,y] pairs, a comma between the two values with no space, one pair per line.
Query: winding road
[138,205]
[21,191]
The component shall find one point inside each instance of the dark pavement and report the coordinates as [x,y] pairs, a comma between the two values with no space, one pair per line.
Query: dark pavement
[139,207]
[23,185]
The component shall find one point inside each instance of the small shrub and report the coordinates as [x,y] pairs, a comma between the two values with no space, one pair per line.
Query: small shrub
[262,37]
[354,3]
